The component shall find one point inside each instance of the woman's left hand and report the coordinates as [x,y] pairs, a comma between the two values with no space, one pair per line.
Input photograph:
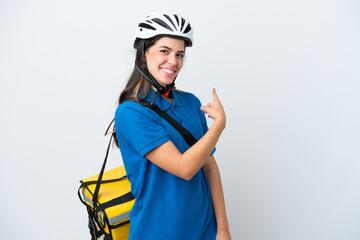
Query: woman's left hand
[223,235]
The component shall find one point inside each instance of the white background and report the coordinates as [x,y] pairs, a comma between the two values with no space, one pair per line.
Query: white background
[286,71]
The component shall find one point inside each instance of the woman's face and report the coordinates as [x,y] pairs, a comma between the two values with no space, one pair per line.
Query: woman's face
[165,59]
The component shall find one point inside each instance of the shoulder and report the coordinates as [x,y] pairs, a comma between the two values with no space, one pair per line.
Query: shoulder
[128,106]
[130,109]
[187,97]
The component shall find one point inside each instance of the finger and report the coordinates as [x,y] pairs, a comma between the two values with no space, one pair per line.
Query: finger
[204,108]
[216,98]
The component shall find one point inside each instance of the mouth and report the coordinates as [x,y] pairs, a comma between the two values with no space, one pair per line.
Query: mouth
[168,71]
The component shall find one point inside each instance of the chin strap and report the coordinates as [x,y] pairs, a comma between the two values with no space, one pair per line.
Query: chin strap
[160,89]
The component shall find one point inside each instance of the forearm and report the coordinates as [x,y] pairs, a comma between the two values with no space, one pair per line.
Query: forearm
[217,195]
[196,156]
[186,165]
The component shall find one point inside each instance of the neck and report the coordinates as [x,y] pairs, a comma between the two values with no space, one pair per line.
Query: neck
[168,97]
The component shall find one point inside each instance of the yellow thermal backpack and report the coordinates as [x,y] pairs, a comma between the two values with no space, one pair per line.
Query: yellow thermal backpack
[108,200]
[109,206]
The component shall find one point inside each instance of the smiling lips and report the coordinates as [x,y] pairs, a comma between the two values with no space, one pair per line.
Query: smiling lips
[168,71]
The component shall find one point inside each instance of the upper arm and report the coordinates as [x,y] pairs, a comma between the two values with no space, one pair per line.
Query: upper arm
[168,157]
[210,164]
[138,129]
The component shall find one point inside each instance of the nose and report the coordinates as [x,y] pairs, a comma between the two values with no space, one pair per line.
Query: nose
[172,60]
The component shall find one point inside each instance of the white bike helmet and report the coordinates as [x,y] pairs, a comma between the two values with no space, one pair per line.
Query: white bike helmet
[164,24]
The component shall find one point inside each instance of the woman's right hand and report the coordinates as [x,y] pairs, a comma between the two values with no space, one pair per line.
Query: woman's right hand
[215,110]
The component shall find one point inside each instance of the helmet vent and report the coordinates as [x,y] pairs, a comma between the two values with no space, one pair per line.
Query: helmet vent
[187,29]
[144,25]
[168,18]
[162,23]
[182,24]
[177,19]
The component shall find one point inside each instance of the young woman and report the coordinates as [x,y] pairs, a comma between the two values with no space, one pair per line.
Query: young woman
[177,188]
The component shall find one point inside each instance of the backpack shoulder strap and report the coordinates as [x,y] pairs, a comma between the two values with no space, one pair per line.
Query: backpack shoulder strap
[190,139]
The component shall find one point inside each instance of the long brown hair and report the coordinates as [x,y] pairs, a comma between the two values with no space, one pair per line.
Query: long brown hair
[137,88]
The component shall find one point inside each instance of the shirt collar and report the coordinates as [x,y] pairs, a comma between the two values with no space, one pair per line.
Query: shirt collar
[162,103]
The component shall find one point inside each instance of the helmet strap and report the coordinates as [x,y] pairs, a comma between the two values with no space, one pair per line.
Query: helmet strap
[160,89]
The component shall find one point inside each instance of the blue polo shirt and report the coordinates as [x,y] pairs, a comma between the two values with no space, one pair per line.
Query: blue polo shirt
[166,207]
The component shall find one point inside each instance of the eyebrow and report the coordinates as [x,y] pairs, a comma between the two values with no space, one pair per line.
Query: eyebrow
[171,49]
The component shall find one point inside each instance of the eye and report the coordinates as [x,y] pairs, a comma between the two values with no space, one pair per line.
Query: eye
[164,51]
[181,55]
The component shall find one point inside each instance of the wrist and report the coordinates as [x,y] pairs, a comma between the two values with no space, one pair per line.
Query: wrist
[220,123]
[223,226]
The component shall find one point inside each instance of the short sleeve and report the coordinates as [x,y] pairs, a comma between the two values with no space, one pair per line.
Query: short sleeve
[139,128]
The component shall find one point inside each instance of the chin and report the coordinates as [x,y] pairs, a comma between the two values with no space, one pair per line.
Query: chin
[165,83]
